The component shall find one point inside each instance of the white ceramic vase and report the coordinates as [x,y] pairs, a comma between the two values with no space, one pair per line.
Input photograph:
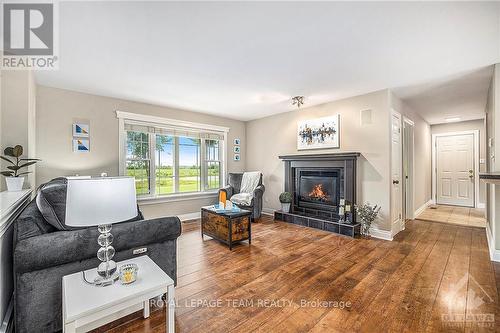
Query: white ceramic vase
[285,207]
[14,183]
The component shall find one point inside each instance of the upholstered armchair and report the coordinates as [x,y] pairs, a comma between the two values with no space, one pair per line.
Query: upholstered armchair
[233,187]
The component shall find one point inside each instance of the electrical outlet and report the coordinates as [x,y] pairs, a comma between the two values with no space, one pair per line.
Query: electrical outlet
[140,250]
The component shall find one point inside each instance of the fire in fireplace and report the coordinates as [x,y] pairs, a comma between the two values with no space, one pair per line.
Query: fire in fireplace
[318,194]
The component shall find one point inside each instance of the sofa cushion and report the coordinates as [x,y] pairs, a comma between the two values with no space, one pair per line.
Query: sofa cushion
[51,202]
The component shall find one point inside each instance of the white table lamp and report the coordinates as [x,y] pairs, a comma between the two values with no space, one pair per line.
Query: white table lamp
[101,202]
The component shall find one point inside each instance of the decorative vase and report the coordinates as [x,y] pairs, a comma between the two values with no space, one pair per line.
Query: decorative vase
[365,228]
[14,183]
[285,207]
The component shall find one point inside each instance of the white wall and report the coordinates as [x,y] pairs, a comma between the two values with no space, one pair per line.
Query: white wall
[18,115]
[57,109]
[269,137]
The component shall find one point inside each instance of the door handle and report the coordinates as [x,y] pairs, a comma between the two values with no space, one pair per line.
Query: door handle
[395,182]
[471,174]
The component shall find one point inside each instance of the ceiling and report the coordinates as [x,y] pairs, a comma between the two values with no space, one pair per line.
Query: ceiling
[245,60]
[462,96]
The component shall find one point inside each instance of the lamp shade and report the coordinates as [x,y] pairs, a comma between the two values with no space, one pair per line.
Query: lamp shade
[98,201]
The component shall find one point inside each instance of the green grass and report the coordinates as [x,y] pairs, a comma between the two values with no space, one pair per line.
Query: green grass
[188,180]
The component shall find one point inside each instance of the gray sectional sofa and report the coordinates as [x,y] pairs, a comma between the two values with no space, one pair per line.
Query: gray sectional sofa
[43,254]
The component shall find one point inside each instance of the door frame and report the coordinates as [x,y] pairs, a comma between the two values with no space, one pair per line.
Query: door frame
[400,226]
[409,196]
[476,162]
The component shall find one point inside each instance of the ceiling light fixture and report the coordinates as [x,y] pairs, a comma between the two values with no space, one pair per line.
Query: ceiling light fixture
[298,100]
[452,119]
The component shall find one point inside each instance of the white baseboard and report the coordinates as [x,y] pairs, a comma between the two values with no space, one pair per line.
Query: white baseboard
[421,209]
[189,216]
[6,325]
[481,205]
[494,253]
[381,234]
[268,211]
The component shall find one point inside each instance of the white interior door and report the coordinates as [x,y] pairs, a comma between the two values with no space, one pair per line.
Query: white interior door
[408,158]
[455,170]
[396,195]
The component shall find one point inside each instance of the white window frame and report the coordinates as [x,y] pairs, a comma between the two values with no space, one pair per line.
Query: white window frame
[148,120]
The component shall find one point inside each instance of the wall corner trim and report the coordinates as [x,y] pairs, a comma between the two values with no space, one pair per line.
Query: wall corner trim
[494,253]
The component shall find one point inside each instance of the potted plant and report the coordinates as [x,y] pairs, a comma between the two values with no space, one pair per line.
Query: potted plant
[367,214]
[286,201]
[13,176]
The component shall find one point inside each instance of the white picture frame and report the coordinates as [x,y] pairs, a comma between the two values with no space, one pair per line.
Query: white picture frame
[236,142]
[81,130]
[81,145]
[237,149]
[237,157]
[319,133]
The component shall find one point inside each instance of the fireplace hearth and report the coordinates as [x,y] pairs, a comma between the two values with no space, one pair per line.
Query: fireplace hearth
[317,183]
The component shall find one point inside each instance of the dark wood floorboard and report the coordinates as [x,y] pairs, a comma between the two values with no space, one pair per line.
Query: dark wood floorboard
[432,278]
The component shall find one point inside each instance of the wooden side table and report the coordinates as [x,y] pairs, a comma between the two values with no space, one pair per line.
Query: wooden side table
[227,227]
[86,307]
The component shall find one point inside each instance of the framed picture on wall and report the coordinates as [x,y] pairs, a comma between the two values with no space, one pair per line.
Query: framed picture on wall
[236,142]
[319,133]
[81,145]
[237,149]
[237,157]
[81,130]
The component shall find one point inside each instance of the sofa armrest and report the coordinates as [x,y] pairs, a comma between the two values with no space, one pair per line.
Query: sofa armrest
[229,191]
[62,247]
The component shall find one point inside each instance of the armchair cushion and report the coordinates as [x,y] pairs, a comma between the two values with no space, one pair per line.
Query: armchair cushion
[244,199]
[234,180]
[62,247]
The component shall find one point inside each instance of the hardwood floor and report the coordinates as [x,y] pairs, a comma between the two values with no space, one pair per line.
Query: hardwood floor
[432,277]
[473,217]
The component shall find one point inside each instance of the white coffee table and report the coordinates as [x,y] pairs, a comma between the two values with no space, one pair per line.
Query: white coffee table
[86,307]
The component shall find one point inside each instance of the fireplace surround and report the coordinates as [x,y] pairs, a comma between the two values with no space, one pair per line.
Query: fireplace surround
[317,182]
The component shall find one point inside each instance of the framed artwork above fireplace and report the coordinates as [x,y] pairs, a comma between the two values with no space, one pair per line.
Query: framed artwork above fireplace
[319,133]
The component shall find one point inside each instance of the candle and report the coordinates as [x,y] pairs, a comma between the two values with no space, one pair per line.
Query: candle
[347,208]
[342,202]
[341,210]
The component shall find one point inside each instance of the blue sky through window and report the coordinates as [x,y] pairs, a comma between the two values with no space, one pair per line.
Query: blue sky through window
[189,152]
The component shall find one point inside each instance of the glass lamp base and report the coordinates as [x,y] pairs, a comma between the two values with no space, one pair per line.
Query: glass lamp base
[106,281]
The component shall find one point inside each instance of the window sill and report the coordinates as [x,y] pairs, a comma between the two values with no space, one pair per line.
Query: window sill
[151,200]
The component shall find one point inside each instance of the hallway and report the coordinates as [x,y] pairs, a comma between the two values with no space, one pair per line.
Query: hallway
[472,217]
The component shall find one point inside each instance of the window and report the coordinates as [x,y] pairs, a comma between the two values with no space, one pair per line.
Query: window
[167,160]
[138,162]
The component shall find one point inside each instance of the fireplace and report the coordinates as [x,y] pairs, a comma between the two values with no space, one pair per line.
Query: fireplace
[318,189]
[317,183]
